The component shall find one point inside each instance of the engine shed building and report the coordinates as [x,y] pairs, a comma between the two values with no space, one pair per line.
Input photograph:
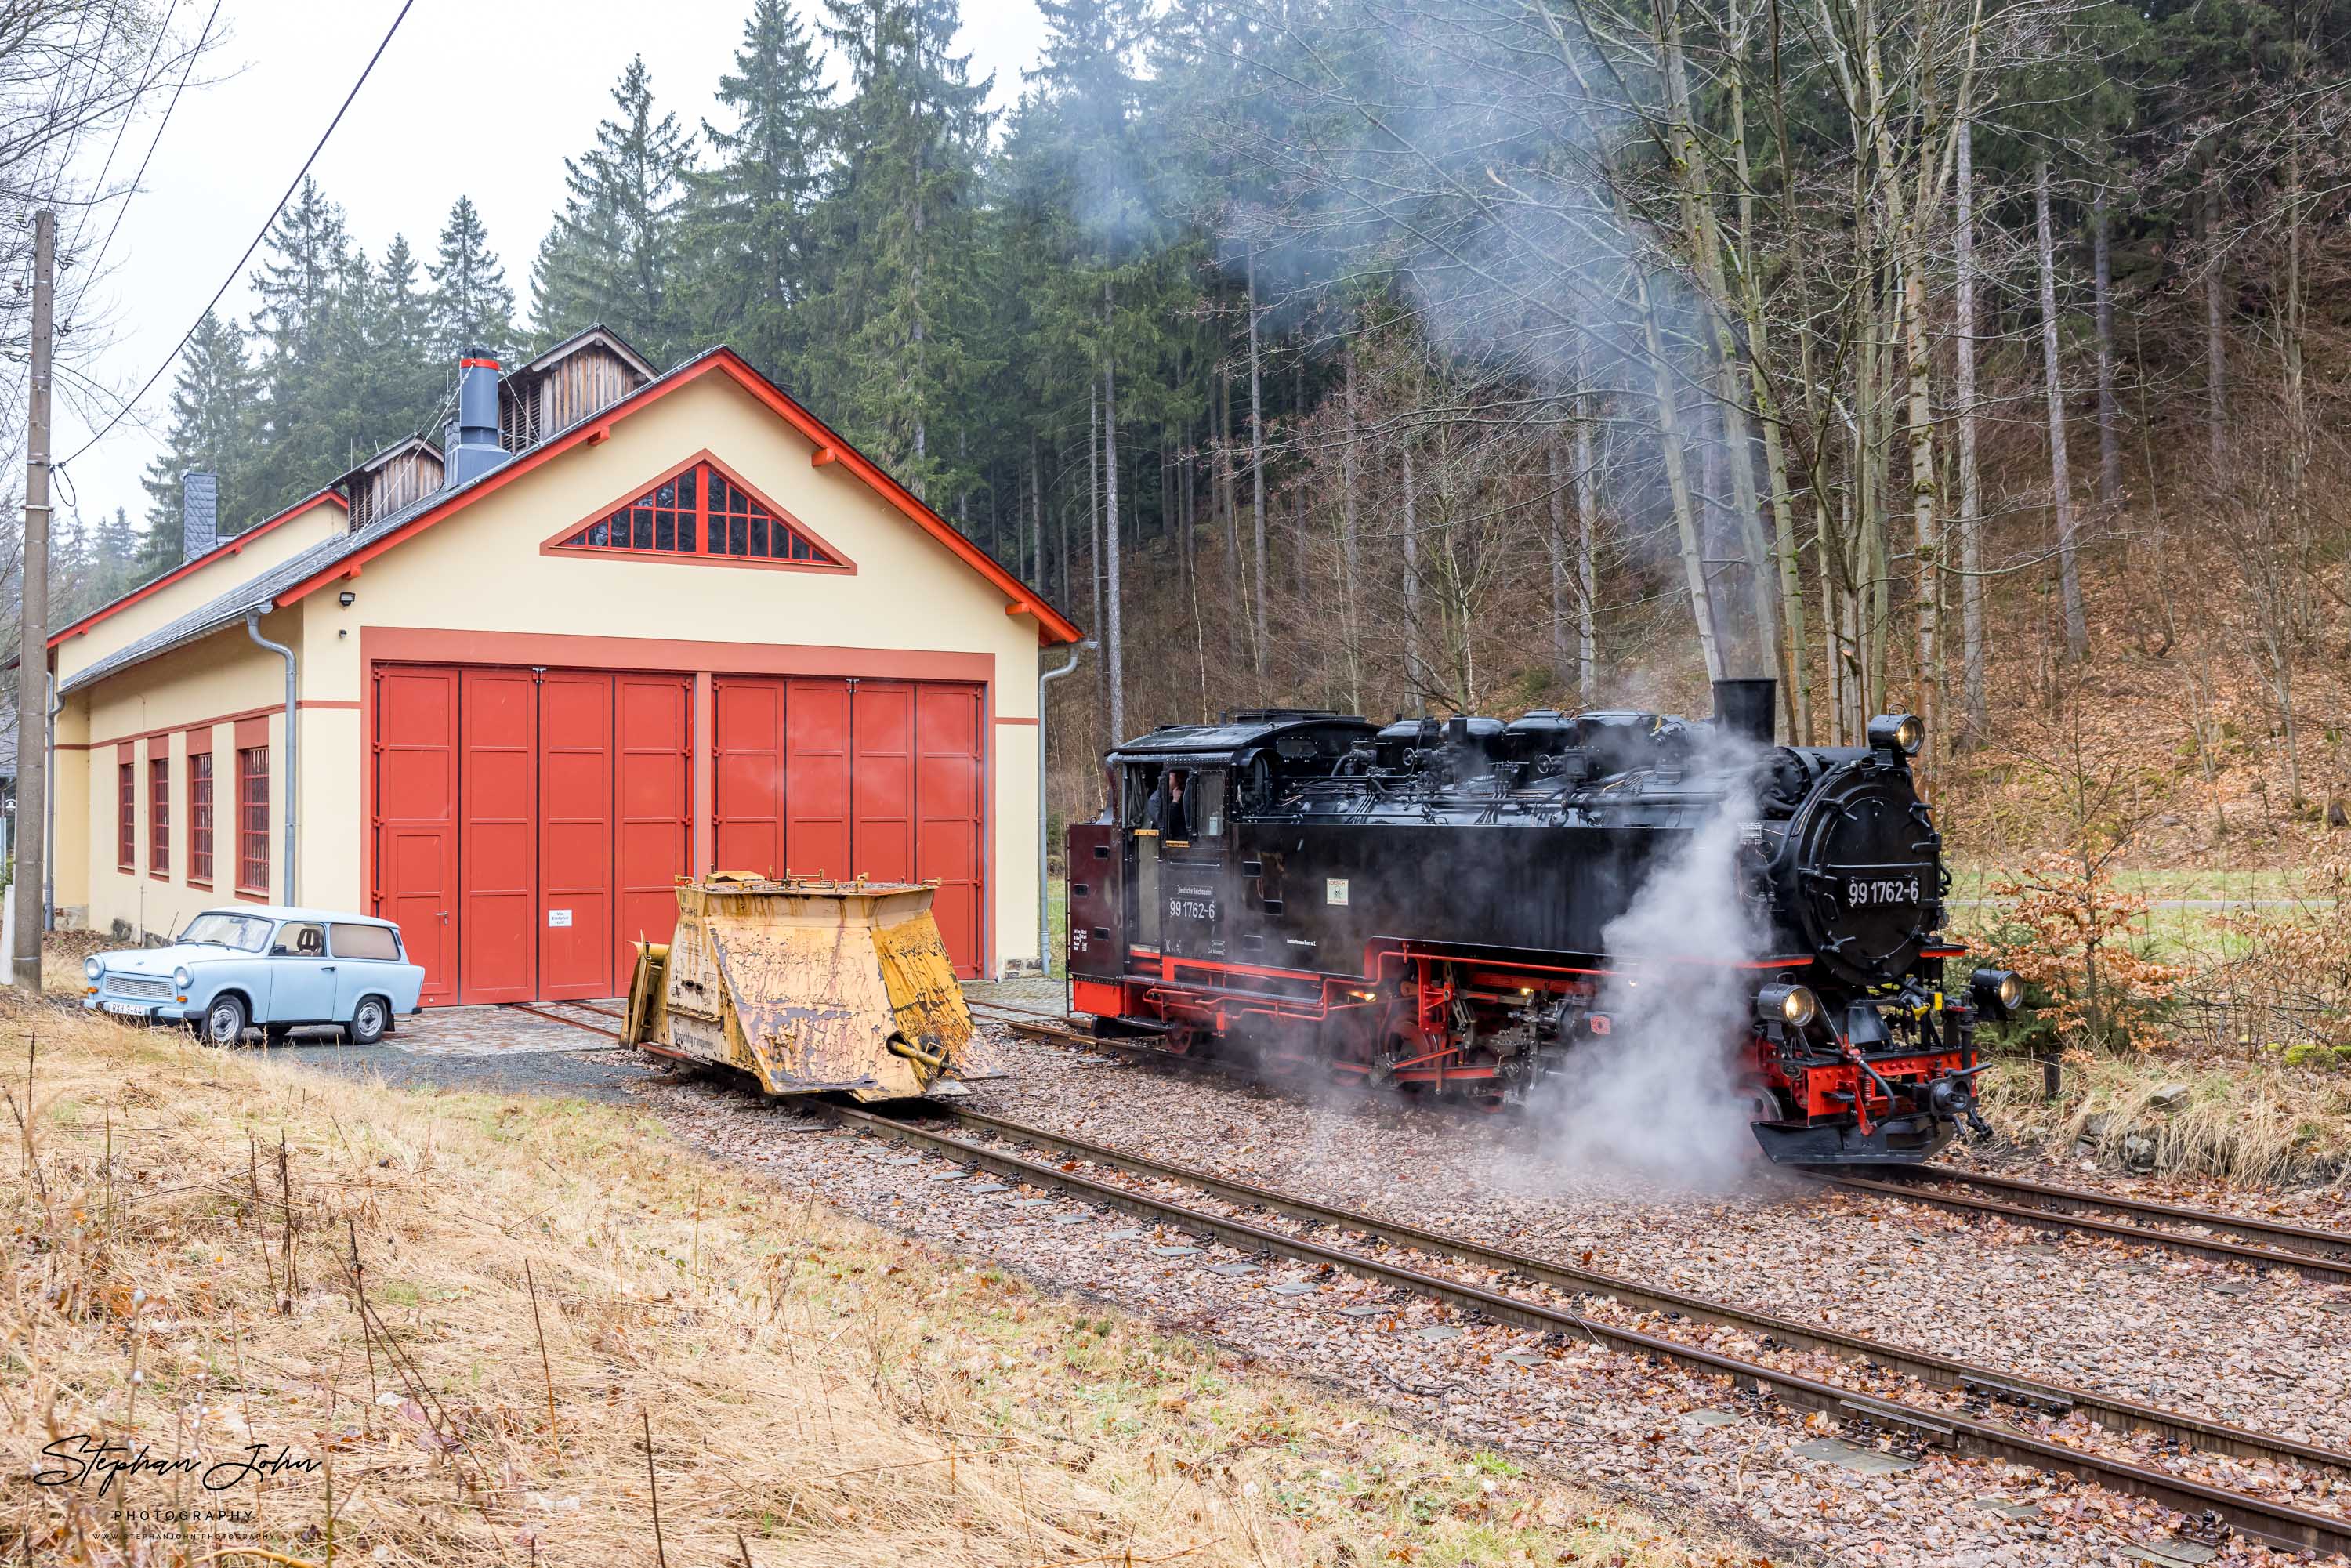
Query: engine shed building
[620,626]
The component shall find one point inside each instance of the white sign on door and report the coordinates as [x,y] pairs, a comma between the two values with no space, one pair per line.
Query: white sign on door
[1334,890]
[559,917]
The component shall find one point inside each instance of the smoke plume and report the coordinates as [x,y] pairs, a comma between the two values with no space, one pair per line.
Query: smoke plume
[1657,1097]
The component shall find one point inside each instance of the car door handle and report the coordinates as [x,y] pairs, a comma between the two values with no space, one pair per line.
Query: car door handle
[326,968]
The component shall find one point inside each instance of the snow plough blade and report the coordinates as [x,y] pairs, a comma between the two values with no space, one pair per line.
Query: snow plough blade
[810,987]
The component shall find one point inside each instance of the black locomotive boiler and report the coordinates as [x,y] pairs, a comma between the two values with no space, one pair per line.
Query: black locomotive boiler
[1427,906]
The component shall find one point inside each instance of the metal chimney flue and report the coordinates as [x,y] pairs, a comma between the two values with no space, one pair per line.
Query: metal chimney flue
[199,513]
[472,449]
[1744,708]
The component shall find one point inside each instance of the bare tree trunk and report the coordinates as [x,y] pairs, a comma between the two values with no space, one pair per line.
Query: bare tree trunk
[1257,475]
[1795,675]
[1094,549]
[1350,556]
[1413,665]
[1587,507]
[2102,282]
[1036,519]
[1678,482]
[1703,232]
[1971,585]
[2216,347]
[1113,631]
[1228,504]
[1555,541]
[2061,498]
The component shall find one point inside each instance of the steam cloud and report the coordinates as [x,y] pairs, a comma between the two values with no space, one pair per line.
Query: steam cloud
[1657,1097]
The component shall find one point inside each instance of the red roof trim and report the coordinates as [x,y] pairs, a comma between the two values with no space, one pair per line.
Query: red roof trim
[1052,625]
[233,545]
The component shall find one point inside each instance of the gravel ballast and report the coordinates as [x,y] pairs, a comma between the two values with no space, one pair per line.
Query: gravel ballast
[2195,1335]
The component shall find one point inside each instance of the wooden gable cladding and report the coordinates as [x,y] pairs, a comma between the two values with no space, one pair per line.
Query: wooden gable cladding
[565,385]
[406,473]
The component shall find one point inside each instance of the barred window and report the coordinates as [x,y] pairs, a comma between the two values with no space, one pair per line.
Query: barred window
[200,818]
[159,817]
[253,819]
[126,817]
[701,512]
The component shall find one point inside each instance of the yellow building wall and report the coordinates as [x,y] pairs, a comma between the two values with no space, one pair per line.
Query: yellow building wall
[208,683]
[239,563]
[482,571]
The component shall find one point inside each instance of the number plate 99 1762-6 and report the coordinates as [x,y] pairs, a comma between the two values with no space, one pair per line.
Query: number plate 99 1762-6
[1861,893]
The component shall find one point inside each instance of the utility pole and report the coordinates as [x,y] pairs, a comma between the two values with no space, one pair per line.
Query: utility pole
[33,640]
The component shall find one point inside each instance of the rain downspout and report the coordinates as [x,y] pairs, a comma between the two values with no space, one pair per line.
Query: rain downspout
[1044,818]
[253,630]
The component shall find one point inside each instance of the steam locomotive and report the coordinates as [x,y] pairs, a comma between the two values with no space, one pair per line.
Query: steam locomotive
[1430,905]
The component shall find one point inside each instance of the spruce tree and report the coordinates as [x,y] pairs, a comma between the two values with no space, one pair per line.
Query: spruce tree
[402,374]
[213,428]
[613,257]
[750,229]
[901,302]
[308,328]
[469,304]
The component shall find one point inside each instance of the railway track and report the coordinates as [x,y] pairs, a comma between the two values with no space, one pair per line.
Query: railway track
[1966,1431]
[982,1142]
[2320,1255]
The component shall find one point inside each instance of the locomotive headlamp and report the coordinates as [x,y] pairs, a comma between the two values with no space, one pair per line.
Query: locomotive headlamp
[1794,1006]
[1998,992]
[1901,732]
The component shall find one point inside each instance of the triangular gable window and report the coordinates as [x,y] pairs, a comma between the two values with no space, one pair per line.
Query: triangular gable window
[702,513]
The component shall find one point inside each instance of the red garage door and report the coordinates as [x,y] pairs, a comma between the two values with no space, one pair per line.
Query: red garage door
[529,825]
[854,778]
[416,818]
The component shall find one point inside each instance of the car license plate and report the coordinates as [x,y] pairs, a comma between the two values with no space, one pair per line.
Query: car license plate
[127,1009]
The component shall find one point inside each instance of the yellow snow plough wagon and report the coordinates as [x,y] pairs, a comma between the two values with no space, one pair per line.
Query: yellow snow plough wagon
[810,987]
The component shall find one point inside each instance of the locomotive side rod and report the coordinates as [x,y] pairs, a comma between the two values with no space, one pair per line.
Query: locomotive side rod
[2117,1414]
[2326,1245]
[2277,1523]
[2331,1270]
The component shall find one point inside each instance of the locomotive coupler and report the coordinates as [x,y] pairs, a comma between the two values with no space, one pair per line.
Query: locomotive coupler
[1953,1098]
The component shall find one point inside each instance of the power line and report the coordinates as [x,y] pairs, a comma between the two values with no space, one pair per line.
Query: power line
[91,273]
[258,237]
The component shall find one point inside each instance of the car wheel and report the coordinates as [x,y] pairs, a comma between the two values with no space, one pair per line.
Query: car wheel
[370,1022]
[224,1021]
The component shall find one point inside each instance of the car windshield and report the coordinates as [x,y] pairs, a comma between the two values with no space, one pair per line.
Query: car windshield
[246,933]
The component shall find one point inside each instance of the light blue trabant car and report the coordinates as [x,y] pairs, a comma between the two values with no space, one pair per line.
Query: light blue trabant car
[265,965]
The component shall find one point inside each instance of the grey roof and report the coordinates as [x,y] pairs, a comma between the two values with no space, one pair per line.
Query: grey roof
[261,593]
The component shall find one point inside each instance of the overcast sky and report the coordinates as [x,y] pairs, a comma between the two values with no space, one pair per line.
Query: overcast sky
[483,96]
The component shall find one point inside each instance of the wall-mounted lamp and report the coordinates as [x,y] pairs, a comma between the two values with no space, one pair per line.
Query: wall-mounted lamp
[345,598]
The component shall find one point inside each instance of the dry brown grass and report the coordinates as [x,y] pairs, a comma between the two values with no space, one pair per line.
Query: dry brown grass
[2250,1121]
[817,1391]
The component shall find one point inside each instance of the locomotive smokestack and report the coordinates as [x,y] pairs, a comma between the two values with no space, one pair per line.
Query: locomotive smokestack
[1745,708]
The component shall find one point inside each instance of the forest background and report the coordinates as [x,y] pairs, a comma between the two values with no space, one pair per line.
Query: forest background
[1984,360]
